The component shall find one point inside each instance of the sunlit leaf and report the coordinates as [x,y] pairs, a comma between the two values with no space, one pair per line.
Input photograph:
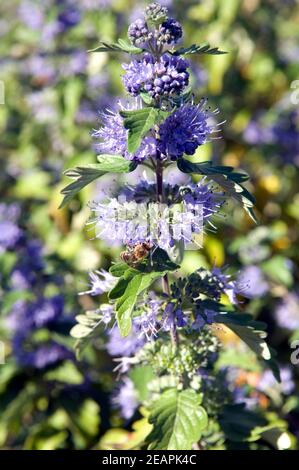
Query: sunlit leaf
[178,420]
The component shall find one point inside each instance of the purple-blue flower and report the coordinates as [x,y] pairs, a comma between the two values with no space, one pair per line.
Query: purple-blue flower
[113,137]
[173,315]
[185,130]
[138,32]
[287,311]
[163,78]
[145,327]
[267,381]
[286,136]
[119,346]
[251,282]
[170,32]
[201,194]
[100,282]
[147,324]
[207,317]
[32,14]
[29,267]
[10,232]
[39,357]
[282,134]
[126,398]
[68,16]
[142,220]
[28,316]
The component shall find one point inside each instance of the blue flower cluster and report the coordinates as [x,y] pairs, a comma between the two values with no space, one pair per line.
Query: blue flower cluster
[168,33]
[118,219]
[138,32]
[36,310]
[184,131]
[164,77]
[181,133]
[277,130]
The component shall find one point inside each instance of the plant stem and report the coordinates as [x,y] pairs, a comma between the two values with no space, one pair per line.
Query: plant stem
[159,180]
[165,282]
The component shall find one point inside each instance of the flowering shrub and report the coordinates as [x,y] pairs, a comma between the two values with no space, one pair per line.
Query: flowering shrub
[165,339]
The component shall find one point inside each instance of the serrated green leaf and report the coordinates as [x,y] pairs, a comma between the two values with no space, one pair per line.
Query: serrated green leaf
[199,49]
[138,122]
[86,174]
[119,46]
[178,421]
[225,177]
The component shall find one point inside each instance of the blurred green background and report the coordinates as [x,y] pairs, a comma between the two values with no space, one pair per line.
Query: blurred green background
[52,92]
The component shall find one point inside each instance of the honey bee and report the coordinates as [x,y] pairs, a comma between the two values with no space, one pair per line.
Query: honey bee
[136,253]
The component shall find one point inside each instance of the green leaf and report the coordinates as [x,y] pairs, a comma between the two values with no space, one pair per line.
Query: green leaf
[141,376]
[225,177]
[199,49]
[161,261]
[118,269]
[84,175]
[131,282]
[19,404]
[250,331]
[253,334]
[87,328]
[233,357]
[138,122]
[146,98]
[122,283]
[126,303]
[184,97]
[238,423]
[241,319]
[158,260]
[255,340]
[276,434]
[278,270]
[66,373]
[178,421]
[119,46]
